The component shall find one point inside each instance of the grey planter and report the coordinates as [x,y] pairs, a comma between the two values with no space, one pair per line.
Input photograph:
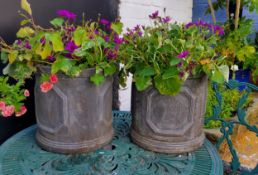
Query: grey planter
[75,116]
[170,124]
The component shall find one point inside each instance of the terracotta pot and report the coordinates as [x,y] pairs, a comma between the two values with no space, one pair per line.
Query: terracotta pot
[170,124]
[75,116]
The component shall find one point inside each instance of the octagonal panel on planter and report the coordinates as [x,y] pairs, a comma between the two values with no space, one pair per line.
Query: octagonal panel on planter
[175,123]
[49,119]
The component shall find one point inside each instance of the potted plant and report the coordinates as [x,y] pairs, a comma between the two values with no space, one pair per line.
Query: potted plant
[236,44]
[169,63]
[73,65]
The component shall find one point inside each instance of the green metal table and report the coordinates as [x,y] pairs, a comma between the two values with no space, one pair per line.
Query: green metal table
[21,156]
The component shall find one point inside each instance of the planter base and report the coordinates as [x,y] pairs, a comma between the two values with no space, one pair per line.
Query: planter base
[163,146]
[72,148]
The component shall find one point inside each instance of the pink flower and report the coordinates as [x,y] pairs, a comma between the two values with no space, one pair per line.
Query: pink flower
[22,111]
[53,79]
[26,93]
[46,86]
[8,111]
[2,105]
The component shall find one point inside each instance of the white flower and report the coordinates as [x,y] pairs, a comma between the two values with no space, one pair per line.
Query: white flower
[234,68]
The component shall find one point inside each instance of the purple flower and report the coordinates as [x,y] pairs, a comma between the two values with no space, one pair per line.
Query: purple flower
[106,38]
[104,22]
[167,19]
[181,74]
[137,28]
[111,54]
[218,30]
[66,14]
[140,33]
[154,15]
[19,42]
[43,40]
[71,46]
[96,32]
[180,64]
[190,24]
[68,55]
[27,45]
[51,58]
[183,54]
[118,40]
[201,23]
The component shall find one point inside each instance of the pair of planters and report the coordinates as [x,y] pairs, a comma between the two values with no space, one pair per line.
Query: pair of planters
[76,116]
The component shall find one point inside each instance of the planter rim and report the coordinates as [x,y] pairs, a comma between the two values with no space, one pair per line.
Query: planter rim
[84,73]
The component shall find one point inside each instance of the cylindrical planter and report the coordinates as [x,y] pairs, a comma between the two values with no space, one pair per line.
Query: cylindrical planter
[170,124]
[76,115]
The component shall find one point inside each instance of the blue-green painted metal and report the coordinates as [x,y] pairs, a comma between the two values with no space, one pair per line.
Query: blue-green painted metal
[227,126]
[21,156]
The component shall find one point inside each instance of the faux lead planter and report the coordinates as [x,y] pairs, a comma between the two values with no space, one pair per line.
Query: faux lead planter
[75,116]
[170,124]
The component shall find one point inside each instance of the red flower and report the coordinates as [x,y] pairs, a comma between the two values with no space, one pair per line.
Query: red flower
[26,93]
[2,105]
[46,86]
[22,111]
[53,79]
[8,111]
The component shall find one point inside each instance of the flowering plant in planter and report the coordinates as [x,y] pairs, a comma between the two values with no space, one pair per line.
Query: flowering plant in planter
[66,48]
[166,54]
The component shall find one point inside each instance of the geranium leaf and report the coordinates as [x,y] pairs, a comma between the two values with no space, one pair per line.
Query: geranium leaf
[12,56]
[57,42]
[174,61]
[62,64]
[46,51]
[109,69]
[169,73]
[169,86]
[97,79]
[142,82]
[25,32]
[57,22]
[117,27]
[26,6]
[78,35]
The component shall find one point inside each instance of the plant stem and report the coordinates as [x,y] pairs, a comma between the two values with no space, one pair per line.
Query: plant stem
[212,11]
[227,9]
[238,4]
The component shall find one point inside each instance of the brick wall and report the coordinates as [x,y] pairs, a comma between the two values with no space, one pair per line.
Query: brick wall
[133,12]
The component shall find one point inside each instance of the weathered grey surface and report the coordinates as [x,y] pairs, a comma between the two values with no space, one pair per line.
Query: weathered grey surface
[75,116]
[170,124]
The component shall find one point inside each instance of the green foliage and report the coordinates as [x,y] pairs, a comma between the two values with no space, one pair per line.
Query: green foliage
[165,55]
[11,94]
[230,99]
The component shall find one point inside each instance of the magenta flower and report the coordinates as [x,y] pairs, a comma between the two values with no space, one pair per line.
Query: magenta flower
[51,58]
[137,28]
[167,19]
[104,22]
[154,15]
[111,54]
[71,46]
[218,30]
[183,54]
[66,14]
[27,45]
[106,38]
[190,24]
[140,33]
[19,42]
[118,40]
[180,64]
[43,40]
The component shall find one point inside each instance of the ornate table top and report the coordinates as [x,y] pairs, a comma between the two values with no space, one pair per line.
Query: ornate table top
[21,156]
